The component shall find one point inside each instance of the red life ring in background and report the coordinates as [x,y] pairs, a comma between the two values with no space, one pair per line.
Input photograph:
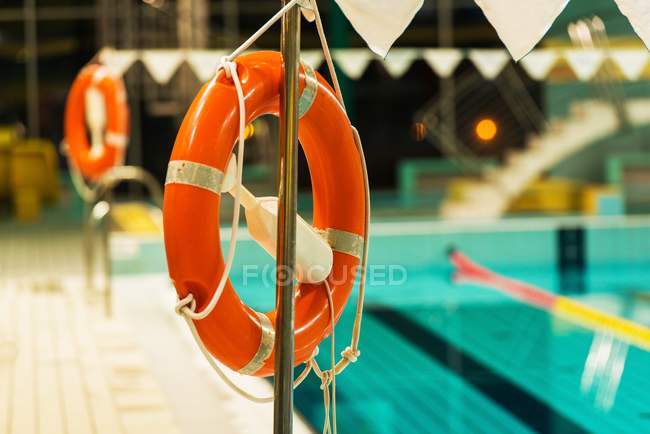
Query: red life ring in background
[93,163]
[235,334]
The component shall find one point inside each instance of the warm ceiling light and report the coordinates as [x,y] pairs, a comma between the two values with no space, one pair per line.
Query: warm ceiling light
[486,129]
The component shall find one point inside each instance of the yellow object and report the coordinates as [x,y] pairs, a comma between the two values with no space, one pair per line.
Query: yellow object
[457,187]
[135,218]
[486,129]
[549,196]
[553,196]
[592,197]
[8,136]
[4,171]
[249,131]
[33,177]
[591,318]
[27,205]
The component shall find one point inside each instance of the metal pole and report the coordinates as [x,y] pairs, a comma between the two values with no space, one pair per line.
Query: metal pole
[106,256]
[286,240]
[446,39]
[231,21]
[31,60]
[88,246]
[96,217]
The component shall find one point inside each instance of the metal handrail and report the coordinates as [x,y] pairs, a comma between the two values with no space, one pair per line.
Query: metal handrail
[510,87]
[447,142]
[97,213]
[595,36]
[444,137]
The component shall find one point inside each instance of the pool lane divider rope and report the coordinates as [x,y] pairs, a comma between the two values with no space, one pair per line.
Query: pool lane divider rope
[468,271]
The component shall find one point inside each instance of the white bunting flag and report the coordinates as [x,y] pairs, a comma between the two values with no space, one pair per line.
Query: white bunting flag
[353,62]
[204,63]
[313,58]
[521,24]
[631,61]
[585,62]
[538,63]
[443,61]
[489,62]
[399,61]
[118,61]
[380,22]
[638,12]
[162,64]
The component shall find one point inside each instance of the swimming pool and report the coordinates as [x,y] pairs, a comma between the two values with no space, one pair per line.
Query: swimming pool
[440,357]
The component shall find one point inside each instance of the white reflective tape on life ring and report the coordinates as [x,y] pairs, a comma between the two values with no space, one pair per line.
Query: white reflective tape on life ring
[194,174]
[309,93]
[344,241]
[99,75]
[116,139]
[265,348]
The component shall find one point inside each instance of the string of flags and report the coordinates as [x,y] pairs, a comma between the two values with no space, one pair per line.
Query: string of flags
[632,63]
[521,24]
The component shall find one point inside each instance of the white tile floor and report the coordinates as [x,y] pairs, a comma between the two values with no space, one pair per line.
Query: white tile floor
[201,402]
[67,368]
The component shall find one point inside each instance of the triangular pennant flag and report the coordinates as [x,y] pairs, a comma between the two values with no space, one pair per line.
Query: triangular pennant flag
[638,12]
[585,62]
[538,63]
[118,61]
[307,11]
[489,62]
[380,22]
[353,62]
[204,63]
[162,64]
[631,61]
[521,23]
[313,58]
[443,61]
[399,61]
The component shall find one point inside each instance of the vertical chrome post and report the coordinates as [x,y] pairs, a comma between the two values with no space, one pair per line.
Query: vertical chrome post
[105,224]
[286,224]
[88,247]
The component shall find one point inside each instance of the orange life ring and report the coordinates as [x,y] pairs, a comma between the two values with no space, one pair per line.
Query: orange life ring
[235,334]
[94,164]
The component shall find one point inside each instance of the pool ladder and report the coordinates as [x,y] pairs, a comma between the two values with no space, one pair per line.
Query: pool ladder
[97,211]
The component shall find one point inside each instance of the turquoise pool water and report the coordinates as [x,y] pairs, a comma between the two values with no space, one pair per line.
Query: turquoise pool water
[438,357]
[479,367]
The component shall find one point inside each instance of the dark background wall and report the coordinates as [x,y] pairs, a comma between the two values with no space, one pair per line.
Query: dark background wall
[381,107]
